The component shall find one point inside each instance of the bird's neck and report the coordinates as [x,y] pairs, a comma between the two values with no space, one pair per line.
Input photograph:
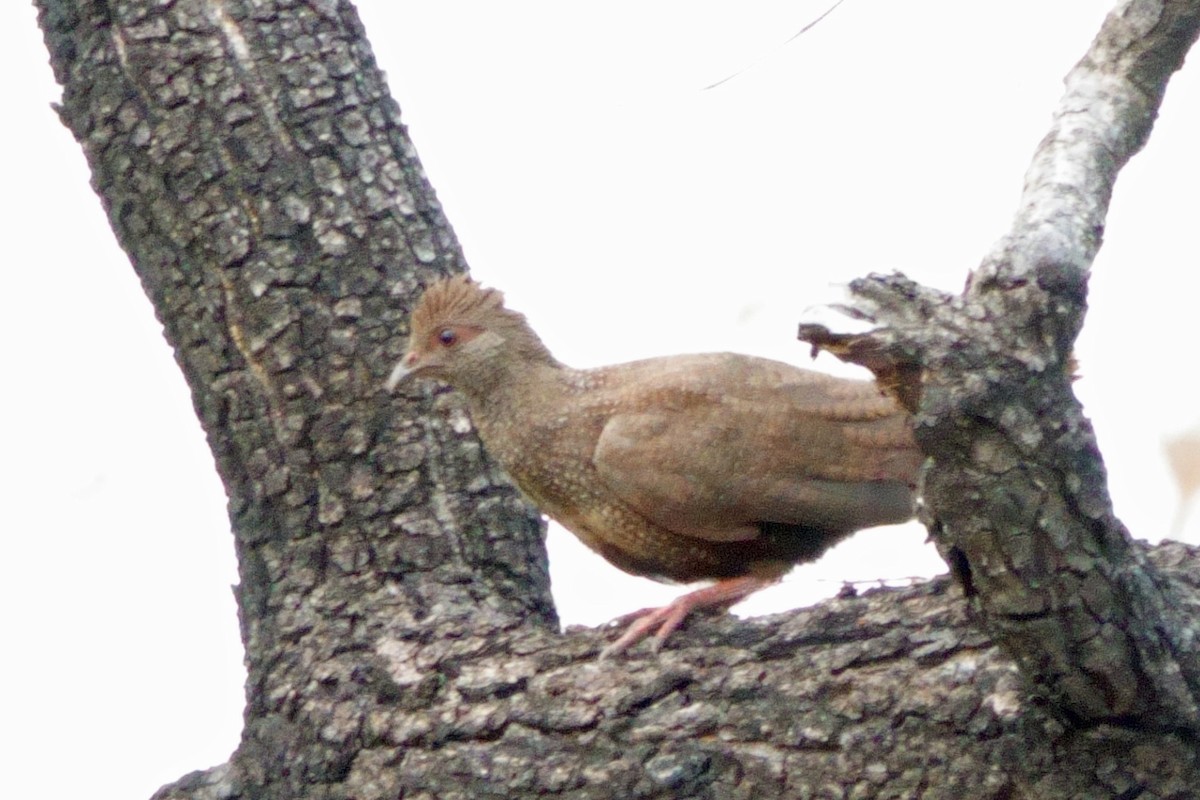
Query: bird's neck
[517,386]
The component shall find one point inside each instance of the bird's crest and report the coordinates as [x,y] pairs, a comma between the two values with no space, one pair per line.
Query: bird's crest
[458,300]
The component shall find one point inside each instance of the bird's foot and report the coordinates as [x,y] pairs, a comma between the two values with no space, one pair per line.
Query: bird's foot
[664,620]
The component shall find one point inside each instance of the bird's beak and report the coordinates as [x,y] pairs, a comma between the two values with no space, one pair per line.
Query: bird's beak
[406,367]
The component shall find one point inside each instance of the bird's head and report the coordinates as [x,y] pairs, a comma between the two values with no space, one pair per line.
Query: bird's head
[462,334]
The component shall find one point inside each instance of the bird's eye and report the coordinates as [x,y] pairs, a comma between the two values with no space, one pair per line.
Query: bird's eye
[447,337]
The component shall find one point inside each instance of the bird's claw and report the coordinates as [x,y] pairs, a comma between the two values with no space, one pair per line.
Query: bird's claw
[665,619]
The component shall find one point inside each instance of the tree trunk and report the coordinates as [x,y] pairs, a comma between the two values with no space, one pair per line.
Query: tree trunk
[394,600]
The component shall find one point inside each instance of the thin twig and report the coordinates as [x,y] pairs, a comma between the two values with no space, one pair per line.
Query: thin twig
[778,47]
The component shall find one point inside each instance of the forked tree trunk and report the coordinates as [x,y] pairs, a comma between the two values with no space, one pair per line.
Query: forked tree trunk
[394,601]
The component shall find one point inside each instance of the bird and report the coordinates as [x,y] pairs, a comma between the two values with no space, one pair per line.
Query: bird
[1183,457]
[716,467]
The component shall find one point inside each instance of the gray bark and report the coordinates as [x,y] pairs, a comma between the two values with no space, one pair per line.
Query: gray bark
[394,603]
[1015,493]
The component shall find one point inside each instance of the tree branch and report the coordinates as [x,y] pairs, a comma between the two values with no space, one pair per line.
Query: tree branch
[1015,489]
[892,694]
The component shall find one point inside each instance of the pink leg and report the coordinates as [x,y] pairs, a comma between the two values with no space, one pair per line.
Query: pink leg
[666,619]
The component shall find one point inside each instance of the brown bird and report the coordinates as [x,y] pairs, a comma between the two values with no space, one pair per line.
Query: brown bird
[683,468]
[1183,457]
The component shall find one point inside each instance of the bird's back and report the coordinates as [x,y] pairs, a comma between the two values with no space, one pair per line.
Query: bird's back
[708,466]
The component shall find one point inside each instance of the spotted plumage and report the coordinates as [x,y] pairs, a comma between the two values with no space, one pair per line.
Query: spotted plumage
[710,466]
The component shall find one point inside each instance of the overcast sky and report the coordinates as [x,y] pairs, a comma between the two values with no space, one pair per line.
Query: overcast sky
[665,218]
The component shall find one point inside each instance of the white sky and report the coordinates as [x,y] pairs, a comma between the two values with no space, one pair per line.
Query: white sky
[665,218]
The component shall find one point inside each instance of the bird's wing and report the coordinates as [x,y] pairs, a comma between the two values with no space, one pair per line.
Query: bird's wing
[715,452]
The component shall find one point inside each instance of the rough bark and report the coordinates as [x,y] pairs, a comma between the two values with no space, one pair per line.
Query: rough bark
[255,169]
[895,694]
[394,602]
[1015,493]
